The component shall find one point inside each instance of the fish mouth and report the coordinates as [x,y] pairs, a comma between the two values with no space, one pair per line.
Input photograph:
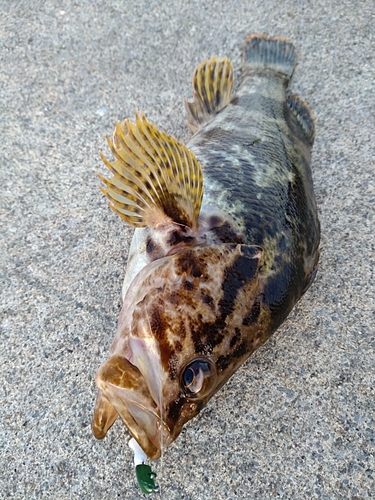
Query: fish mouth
[124,392]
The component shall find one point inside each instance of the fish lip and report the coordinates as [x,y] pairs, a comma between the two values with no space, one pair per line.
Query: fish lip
[126,391]
[152,442]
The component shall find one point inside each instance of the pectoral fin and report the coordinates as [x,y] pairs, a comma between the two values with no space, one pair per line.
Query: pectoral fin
[156,179]
[212,84]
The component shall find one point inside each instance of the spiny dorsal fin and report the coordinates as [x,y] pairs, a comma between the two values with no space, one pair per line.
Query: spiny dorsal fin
[212,84]
[156,179]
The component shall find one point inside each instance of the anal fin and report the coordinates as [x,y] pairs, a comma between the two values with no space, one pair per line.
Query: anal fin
[212,84]
[303,113]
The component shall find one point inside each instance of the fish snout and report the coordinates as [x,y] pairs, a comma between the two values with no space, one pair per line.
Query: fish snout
[124,392]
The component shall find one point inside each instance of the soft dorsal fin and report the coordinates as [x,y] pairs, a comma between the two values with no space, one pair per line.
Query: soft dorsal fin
[212,84]
[304,115]
[156,179]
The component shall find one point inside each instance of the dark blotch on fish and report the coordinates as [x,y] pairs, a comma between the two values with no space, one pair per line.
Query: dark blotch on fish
[178,237]
[159,327]
[189,264]
[215,221]
[254,314]
[241,350]
[227,234]
[236,337]
[188,285]
[207,299]
[207,336]
[175,408]
[152,247]
[236,276]
[225,360]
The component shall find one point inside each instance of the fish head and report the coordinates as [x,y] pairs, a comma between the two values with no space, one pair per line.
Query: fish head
[183,331]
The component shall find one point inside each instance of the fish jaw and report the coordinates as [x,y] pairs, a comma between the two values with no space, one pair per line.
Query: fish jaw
[124,393]
[104,416]
[124,389]
[130,381]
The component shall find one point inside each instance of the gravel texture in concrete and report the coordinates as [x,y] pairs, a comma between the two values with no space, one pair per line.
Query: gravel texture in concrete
[297,420]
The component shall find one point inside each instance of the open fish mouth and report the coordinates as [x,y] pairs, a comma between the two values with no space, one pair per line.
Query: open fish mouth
[124,392]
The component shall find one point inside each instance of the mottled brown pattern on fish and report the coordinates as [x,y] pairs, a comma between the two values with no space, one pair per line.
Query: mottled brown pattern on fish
[213,292]
[205,318]
[203,288]
[268,155]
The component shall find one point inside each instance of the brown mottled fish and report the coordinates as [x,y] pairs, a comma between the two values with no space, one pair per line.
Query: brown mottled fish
[226,241]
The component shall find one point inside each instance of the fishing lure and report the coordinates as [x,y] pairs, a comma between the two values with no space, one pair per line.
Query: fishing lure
[145,476]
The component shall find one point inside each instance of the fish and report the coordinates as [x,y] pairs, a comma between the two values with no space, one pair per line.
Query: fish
[226,241]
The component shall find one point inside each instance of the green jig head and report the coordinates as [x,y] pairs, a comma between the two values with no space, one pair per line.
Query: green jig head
[146,478]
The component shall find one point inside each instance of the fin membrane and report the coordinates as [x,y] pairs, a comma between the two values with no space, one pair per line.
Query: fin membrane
[212,84]
[266,52]
[155,180]
[304,116]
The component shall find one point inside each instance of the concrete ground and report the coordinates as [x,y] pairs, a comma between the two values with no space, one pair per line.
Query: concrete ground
[297,420]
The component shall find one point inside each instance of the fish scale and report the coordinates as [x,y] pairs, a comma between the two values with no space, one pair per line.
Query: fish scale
[208,279]
[264,156]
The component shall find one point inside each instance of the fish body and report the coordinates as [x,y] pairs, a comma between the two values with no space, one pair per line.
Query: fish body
[211,275]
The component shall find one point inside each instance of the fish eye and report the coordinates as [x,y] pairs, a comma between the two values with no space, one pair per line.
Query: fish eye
[198,377]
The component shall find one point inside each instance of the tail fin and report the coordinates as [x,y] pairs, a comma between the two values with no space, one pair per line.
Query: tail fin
[266,52]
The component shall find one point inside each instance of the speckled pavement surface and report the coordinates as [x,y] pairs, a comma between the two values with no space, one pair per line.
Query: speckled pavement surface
[297,420]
